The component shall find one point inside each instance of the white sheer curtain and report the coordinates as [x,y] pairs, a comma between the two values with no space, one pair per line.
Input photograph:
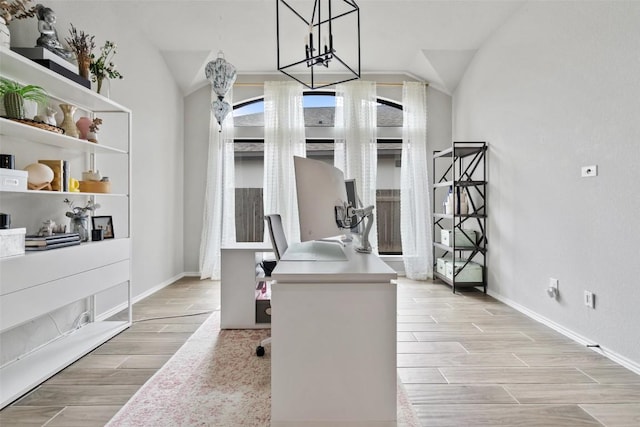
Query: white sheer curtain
[219,223]
[283,139]
[355,144]
[415,202]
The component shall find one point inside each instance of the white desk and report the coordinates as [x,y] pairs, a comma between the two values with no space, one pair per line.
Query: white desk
[334,343]
[238,285]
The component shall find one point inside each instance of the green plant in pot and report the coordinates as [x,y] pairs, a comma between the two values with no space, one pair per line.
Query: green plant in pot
[15,94]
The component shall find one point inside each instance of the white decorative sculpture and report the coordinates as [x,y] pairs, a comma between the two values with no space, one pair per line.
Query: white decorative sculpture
[222,75]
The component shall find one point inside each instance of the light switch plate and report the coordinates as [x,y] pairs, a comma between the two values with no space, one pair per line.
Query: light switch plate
[588,171]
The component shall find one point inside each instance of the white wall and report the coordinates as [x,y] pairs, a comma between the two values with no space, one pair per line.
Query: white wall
[554,89]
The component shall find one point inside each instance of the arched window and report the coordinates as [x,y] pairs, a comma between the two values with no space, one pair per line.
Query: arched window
[319,113]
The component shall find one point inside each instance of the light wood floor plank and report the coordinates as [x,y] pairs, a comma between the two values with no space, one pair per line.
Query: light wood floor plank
[138,348]
[145,361]
[588,359]
[429,347]
[619,414]
[438,327]
[93,376]
[180,327]
[84,416]
[456,359]
[575,393]
[421,376]
[522,347]
[439,394]
[28,415]
[405,336]
[612,375]
[471,336]
[415,319]
[101,361]
[504,415]
[455,317]
[509,375]
[152,337]
[74,395]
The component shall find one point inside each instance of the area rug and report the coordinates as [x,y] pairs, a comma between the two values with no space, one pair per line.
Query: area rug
[215,379]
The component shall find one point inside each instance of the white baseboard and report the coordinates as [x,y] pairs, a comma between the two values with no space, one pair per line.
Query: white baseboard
[138,297]
[191,274]
[619,359]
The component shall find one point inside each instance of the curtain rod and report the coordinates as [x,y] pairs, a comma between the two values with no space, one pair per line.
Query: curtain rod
[258,84]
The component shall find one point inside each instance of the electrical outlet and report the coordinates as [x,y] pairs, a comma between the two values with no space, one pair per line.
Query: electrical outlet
[552,290]
[588,171]
[589,299]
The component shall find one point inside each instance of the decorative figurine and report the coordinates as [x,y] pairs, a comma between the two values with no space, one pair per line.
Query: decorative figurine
[48,118]
[48,35]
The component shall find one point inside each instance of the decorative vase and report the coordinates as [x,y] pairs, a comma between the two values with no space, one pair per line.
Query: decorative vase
[84,62]
[80,225]
[99,82]
[92,137]
[83,125]
[14,105]
[69,126]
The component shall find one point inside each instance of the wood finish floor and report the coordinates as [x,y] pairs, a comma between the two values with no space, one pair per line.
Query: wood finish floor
[465,360]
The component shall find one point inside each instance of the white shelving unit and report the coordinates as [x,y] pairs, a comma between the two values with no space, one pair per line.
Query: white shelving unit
[38,283]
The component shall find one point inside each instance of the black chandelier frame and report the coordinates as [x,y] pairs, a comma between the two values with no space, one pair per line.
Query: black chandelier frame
[315,54]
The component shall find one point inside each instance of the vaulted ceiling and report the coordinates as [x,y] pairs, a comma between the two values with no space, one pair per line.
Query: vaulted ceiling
[429,40]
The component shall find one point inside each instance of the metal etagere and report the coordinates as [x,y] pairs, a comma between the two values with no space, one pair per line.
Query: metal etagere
[460,261]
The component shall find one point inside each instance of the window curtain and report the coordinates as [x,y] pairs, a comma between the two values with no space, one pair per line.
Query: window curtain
[415,202]
[283,138]
[219,224]
[355,150]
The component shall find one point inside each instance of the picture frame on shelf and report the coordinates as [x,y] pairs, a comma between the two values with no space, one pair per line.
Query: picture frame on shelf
[105,223]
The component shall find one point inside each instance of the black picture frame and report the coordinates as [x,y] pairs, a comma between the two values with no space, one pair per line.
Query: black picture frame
[105,223]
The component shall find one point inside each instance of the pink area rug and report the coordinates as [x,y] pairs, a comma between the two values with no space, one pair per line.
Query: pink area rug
[215,379]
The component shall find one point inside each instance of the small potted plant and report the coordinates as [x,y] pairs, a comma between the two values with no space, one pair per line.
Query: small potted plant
[103,67]
[93,130]
[16,94]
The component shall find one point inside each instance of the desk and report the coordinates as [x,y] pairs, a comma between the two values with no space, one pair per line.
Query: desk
[238,285]
[333,354]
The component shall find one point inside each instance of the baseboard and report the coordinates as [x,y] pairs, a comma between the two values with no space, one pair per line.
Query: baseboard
[139,297]
[608,353]
[191,274]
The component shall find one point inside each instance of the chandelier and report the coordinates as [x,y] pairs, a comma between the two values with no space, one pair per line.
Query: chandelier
[319,41]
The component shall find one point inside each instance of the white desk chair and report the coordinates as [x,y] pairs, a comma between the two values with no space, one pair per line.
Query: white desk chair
[279,245]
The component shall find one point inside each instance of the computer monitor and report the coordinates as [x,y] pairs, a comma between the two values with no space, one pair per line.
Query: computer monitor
[320,188]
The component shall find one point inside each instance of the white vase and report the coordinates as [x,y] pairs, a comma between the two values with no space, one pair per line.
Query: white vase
[5,35]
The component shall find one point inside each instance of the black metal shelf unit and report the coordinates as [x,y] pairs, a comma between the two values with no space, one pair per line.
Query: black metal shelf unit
[462,168]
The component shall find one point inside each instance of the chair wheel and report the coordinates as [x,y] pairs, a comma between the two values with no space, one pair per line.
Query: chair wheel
[260,351]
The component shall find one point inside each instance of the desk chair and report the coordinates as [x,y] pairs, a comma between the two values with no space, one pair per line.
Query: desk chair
[279,245]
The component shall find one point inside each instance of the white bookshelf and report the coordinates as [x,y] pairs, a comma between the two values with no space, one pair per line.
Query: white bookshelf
[37,283]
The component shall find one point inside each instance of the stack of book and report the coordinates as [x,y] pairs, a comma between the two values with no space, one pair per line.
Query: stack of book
[43,243]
